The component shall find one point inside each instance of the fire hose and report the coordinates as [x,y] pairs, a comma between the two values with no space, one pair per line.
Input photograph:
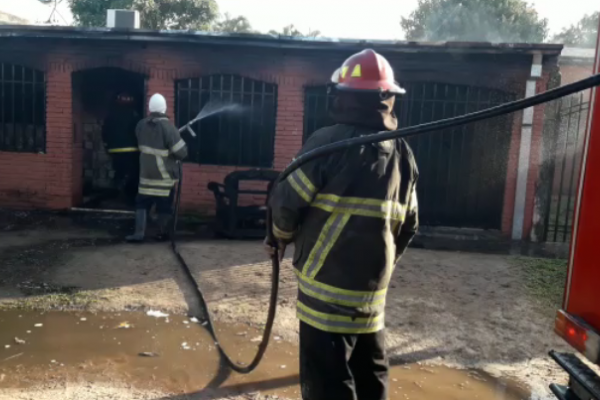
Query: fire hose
[492,112]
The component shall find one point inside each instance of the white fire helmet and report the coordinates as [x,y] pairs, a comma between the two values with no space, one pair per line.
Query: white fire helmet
[157,104]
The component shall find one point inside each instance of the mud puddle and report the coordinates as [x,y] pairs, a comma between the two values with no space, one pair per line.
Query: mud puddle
[176,355]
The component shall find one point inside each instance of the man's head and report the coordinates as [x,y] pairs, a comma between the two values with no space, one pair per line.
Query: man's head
[157,104]
[366,72]
[365,91]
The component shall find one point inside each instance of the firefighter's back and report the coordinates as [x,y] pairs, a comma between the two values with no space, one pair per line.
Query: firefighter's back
[346,247]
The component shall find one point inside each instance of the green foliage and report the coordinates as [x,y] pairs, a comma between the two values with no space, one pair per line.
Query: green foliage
[544,279]
[291,31]
[239,24]
[475,20]
[154,14]
[582,34]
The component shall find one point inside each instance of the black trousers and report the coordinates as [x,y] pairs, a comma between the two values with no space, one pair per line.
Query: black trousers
[164,205]
[127,172]
[342,367]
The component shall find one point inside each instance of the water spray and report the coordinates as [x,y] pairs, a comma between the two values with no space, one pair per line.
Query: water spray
[502,109]
[209,109]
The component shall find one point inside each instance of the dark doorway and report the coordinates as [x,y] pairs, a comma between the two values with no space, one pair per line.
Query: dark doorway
[97,95]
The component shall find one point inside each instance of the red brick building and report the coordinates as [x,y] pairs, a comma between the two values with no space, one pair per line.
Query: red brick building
[55,89]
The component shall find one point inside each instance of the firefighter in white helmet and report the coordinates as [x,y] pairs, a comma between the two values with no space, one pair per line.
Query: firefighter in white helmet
[160,148]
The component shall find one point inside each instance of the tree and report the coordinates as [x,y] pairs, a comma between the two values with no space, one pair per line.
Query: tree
[291,30]
[475,20]
[154,14]
[239,24]
[582,34]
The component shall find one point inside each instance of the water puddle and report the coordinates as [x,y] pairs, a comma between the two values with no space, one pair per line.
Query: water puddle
[177,355]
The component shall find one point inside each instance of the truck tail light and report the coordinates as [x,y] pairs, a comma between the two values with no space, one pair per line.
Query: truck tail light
[578,334]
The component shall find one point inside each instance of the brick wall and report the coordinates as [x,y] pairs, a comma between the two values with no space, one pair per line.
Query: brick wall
[54,180]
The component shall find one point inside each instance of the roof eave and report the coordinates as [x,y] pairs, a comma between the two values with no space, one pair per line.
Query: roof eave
[272,41]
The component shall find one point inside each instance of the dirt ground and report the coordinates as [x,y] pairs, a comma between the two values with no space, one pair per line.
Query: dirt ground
[463,310]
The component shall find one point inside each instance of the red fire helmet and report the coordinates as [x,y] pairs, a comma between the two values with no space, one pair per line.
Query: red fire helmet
[366,71]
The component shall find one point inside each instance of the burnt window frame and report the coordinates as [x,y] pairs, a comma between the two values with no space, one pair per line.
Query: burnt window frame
[17,82]
[253,134]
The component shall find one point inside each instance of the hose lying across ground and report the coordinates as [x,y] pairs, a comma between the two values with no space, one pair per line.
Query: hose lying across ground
[492,112]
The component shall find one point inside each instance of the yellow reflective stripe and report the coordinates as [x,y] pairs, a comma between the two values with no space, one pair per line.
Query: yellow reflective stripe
[351,200]
[299,189]
[344,297]
[302,185]
[124,150]
[178,146]
[281,234]
[154,152]
[365,207]
[344,71]
[357,71]
[154,192]
[160,163]
[329,235]
[339,323]
[157,182]
[309,185]
[413,201]
[333,289]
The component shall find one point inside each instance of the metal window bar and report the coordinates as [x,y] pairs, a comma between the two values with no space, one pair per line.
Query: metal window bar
[463,170]
[248,139]
[563,136]
[317,105]
[22,109]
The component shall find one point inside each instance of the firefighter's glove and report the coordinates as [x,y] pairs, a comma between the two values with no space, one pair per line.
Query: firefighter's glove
[270,247]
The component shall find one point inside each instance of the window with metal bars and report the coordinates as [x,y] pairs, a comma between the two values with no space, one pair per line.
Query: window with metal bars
[241,138]
[317,104]
[463,170]
[22,109]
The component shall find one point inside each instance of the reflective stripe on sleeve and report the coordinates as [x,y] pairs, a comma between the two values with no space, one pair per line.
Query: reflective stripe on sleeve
[281,234]
[124,150]
[339,323]
[154,152]
[302,185]
[329,235]
[414,203]
[343,297]
[178,146]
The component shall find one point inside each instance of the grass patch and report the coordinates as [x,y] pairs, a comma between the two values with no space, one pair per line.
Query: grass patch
[544,279]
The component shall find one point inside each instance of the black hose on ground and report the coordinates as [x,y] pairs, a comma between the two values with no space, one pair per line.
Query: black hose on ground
[492,112]
[262,347]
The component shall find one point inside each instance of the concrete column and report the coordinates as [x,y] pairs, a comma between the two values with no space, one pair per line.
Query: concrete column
[525,150]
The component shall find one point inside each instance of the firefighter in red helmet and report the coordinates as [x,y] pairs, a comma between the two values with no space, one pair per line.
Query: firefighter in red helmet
[351,216]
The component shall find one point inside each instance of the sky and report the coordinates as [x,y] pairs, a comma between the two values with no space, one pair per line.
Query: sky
[366,19]
[370,19]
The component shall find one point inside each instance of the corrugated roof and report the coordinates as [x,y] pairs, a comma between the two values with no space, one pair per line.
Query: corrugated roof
[270,41]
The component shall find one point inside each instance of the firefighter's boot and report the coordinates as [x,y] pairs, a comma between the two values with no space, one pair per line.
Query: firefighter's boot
[140,227]
[164,224]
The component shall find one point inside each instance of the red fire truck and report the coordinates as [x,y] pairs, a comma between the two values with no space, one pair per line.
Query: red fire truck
[578,322]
